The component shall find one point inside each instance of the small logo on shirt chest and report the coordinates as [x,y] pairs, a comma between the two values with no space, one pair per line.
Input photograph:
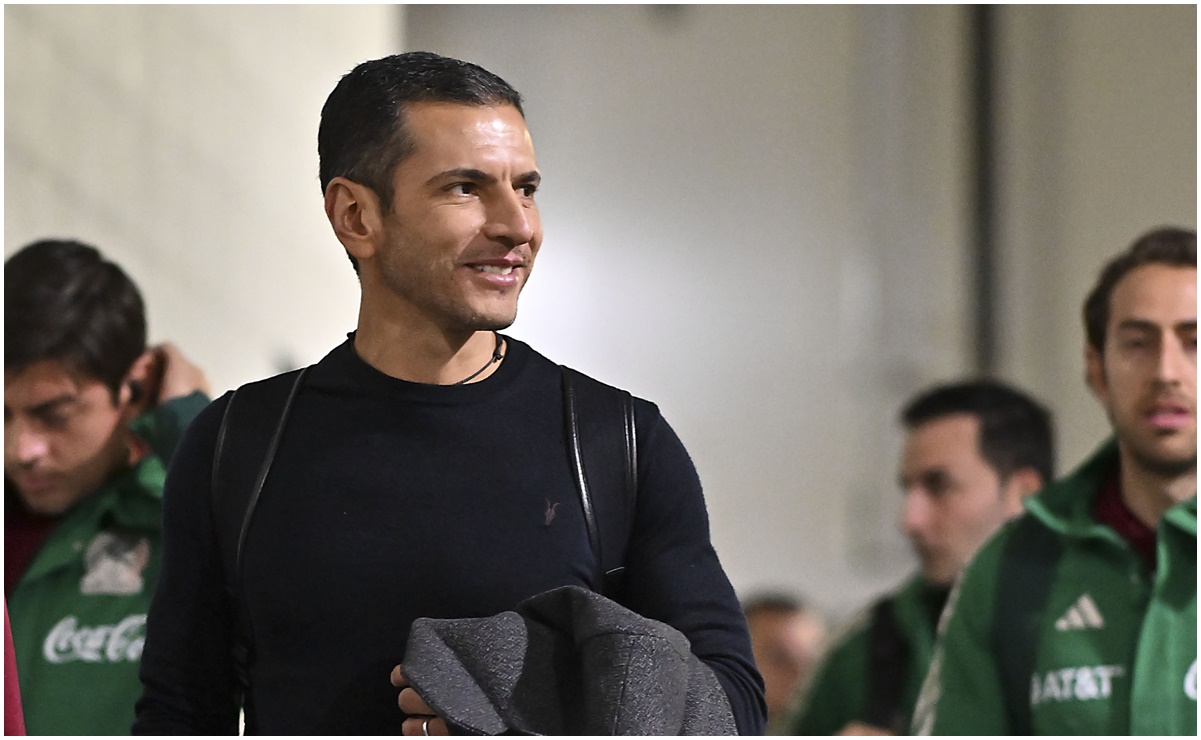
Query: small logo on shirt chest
[1083,614]
[113,564]
[552,510]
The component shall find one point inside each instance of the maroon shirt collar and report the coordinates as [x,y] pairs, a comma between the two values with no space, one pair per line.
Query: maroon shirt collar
[24,534]
[1112,511]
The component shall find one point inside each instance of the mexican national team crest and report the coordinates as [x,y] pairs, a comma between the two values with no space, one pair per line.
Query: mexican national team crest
[113,564]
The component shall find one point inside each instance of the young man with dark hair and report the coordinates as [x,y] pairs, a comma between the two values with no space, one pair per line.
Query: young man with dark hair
[973,451]
[1080,617]
[425,468]
[90,419]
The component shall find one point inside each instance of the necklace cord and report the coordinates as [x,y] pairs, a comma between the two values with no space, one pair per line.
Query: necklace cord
[497,356]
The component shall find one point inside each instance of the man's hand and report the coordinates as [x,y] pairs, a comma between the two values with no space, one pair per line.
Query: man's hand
[174,376]
[421,719]
[862,728]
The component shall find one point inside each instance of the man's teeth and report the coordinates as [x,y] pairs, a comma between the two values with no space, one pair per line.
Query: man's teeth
[494,269]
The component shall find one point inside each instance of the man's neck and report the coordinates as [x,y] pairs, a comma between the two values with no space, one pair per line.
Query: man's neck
[423,356]
[1149,494]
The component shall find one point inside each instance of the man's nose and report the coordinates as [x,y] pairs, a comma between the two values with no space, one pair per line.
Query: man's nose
[1174,362]
[511,219]
[915,513]
[24,444]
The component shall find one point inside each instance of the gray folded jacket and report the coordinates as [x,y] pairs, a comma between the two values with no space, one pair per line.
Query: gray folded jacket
[565,662]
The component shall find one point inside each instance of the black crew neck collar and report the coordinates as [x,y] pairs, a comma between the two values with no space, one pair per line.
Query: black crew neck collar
[345,361]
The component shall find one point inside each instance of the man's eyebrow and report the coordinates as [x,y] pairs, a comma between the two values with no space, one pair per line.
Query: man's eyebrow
[533,177]
[50,405]
[927,473]
[1136,325]
[462,173]
[1147,325]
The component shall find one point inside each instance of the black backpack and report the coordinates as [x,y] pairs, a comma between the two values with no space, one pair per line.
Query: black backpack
[888,653]
[1029,563]
[602,450]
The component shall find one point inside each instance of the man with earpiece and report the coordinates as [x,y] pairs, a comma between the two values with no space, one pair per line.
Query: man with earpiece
[91,417]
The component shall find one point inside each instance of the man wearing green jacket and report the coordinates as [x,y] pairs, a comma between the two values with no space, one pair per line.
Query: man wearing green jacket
[1080,617]
[91,417]
[973,451]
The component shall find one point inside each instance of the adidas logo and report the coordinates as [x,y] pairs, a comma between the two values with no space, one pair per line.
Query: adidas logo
[1081,615]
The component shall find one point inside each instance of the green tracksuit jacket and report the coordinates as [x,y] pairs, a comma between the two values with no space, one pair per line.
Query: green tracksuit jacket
[78,613]
[839,691]
[1116,651]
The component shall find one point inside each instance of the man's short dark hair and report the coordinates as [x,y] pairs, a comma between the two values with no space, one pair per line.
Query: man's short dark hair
[64,301]
[1168,245]
[362,135]
[774,602]
[1015,430]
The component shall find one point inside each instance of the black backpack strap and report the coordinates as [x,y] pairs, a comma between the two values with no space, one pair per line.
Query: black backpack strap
[247,440]
[602,448]
[888,662]
[1029,563]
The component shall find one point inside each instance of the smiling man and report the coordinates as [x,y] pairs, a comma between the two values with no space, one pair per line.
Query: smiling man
[973,451]
[424,469]
[1080,617]
[90,418]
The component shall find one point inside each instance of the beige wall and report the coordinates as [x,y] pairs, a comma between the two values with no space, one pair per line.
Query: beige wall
[756,215]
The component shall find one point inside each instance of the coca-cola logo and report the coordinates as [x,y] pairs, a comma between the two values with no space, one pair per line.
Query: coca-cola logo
[111,643]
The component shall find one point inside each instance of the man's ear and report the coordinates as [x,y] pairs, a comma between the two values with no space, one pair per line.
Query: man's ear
[1021,483]
[353,210]
[1094,374]
[1027,481]
[139,388]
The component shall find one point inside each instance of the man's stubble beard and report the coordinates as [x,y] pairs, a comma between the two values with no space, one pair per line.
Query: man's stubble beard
[1160,466]
[1151,461]
[455,316]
